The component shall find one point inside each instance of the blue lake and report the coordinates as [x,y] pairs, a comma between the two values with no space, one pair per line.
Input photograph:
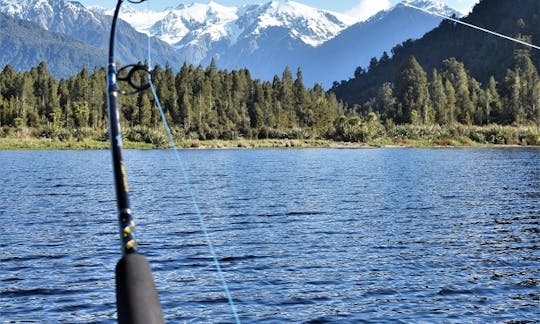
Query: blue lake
[303,236]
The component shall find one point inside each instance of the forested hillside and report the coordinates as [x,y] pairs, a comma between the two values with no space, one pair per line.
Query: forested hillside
[451,95]
[24,44]
[484,56]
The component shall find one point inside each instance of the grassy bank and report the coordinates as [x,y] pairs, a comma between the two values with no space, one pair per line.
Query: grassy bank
[402,135]
[50,144]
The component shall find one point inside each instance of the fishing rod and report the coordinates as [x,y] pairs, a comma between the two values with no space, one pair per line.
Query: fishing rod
[137,300]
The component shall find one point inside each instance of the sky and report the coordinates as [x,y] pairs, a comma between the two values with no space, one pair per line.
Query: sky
[361,9]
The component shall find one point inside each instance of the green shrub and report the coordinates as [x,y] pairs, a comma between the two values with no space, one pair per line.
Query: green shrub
[147,135]
[102,135]
[82,133]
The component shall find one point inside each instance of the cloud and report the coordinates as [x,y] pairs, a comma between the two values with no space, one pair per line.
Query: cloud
[367,8]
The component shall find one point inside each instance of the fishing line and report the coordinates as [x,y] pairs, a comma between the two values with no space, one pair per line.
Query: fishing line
[474,26]
[191,192]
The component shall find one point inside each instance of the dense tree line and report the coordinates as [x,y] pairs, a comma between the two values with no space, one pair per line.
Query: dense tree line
[200,103]
[451,95]
[207,103]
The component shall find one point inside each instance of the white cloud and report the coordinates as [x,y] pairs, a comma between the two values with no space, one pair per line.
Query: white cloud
[367,8]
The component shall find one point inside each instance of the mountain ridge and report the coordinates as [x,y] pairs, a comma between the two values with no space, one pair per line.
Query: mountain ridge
[71,18]
[264,38]
[24,45]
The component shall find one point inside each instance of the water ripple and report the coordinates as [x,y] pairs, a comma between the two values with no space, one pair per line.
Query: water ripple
[303,236]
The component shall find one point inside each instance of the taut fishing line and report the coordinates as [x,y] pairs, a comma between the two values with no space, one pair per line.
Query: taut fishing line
[191,192]
[474,26]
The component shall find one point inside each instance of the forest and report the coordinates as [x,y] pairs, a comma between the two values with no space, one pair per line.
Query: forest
[451,95]
[483,54]
[446,107]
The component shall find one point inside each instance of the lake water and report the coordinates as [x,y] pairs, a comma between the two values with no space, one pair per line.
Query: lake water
[304,236]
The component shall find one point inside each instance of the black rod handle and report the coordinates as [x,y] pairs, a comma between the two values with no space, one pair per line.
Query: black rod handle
[137,299]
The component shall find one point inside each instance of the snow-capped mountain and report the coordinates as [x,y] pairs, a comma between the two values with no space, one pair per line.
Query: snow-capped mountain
[24,44]
[54,15]
[195,20]
[265,38]
[355,46]
[91,27]
[310,25]
[313,26]
[201,32]
[431,6]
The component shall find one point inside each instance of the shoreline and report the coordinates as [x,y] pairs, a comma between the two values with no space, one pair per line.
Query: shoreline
[39,144]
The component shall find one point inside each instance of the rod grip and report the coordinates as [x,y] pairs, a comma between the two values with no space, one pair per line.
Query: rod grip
[137,300]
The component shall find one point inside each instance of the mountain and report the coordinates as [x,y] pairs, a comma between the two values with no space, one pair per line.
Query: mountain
[280,34]
[267,37]
[197,20]
[24,45]
[263,37]
[71,18]
[483,54]
[338,58]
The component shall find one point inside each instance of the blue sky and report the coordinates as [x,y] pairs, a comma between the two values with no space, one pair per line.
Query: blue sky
[358,8]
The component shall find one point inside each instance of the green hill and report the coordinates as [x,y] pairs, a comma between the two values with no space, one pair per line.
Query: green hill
[482,54]
[24,45]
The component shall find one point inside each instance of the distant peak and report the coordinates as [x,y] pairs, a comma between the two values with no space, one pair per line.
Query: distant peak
[420,3]
[429,5]
[287,4]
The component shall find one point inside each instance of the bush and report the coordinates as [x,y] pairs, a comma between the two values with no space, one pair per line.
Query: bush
[45,132]
[81,134]
[54,133]
[63,135]
[147,135]
[102,135]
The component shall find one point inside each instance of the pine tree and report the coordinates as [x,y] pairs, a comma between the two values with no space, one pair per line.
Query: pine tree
[9,79]
[268,111]
[411,91]
[478,100]
[301,101]
[64,101]
[455,72]
[386,102]
[372,64]
[26,105]
[144,108]
[287,98]
[97,100]
[256,114]
[184,88]
[450,102]
[515,112]
[493,108]
[439,99]
[529,87]
[8,82]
